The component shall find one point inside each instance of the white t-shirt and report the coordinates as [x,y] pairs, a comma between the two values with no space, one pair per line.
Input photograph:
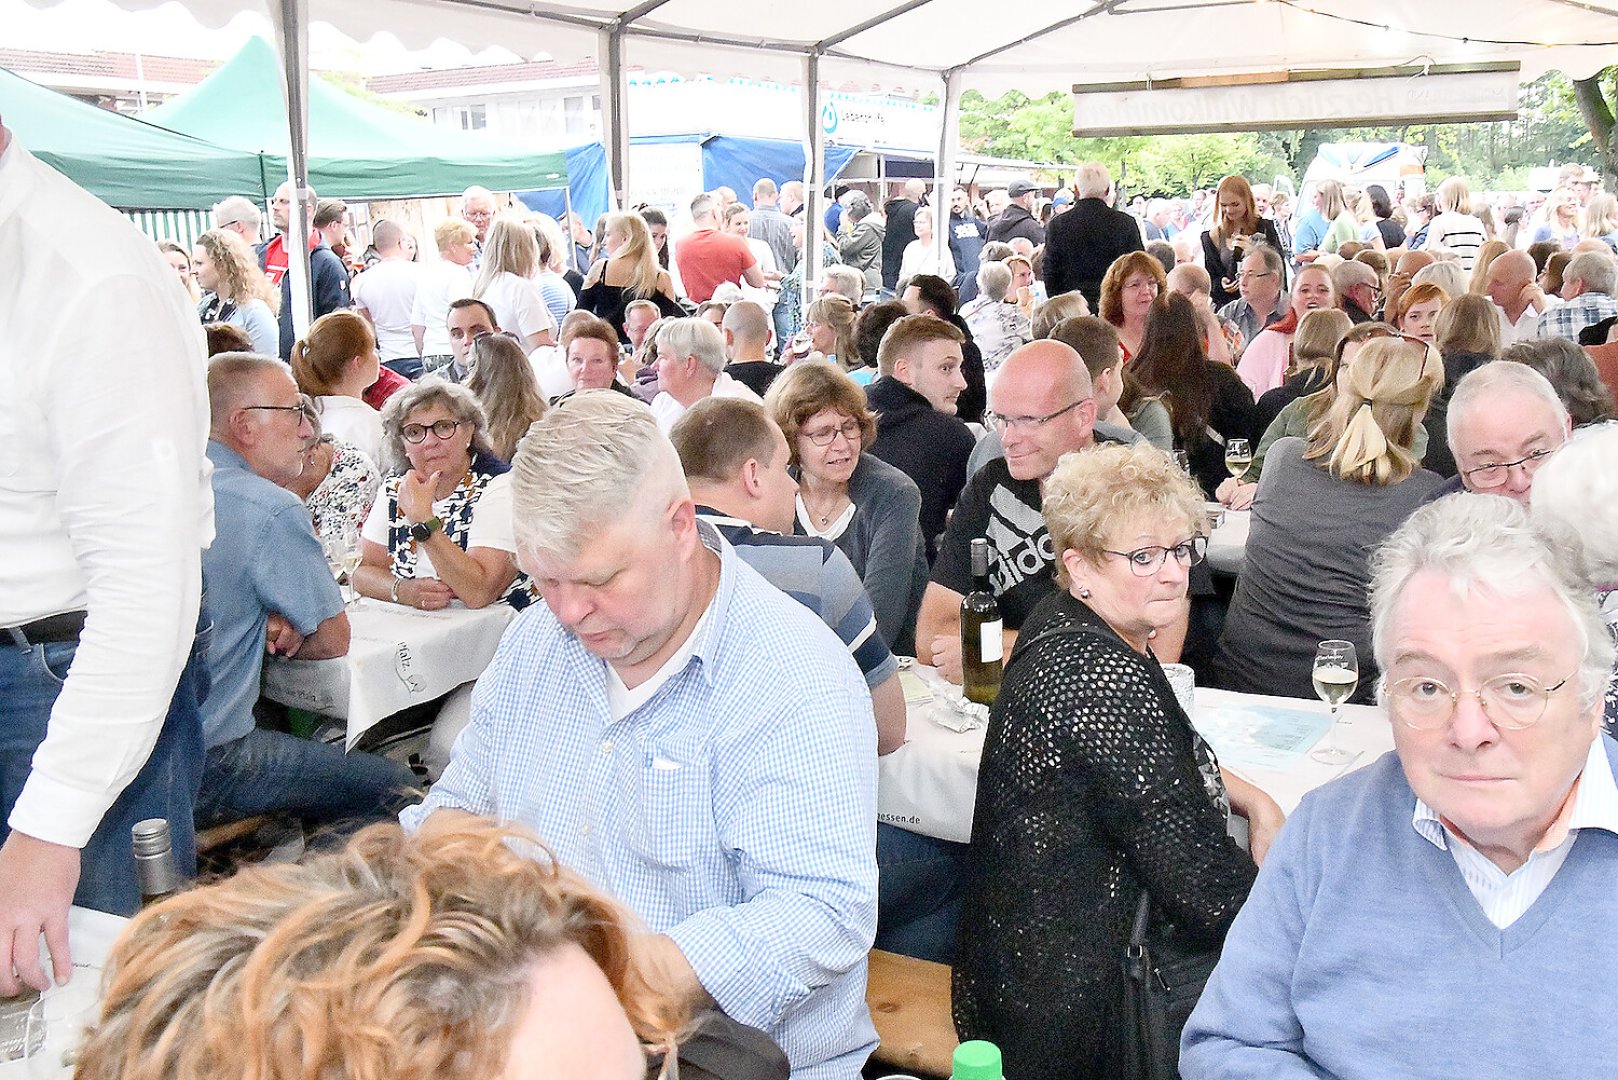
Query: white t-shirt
[352,421]
[622,701]
[388,291]
[442,283]
[550,371]
[491,523]
[518,305]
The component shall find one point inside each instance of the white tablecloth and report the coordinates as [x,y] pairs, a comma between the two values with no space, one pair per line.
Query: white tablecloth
[929,785]
[91,935]
[398,657]
[1227,546]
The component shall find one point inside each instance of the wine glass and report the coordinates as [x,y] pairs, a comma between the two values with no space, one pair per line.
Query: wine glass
[1337,672]
[343,555]
[1182,461]
[1238,456]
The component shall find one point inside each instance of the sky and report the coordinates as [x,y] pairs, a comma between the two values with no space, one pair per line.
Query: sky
[170,30]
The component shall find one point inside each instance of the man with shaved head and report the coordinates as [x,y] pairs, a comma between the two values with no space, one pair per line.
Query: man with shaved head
[1512,283]
[747,341]
[1042,405]
[385,294]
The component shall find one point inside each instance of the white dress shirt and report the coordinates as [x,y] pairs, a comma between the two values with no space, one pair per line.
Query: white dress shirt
[667,410]
[1505,897]
[105,503]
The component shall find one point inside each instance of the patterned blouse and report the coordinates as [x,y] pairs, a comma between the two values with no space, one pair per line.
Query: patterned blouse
[344,498]
[998,328]
[1608,599]
[455,510]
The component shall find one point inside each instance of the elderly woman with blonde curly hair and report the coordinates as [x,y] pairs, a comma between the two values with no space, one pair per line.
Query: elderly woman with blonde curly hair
[461,951]
[441,527]
[1094,787]
[1323,505]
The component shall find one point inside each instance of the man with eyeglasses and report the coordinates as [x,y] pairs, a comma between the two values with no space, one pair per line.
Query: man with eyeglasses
[328,277]
[271,591]
[1042,407]
[1447,910]
[1504,419]
[1261,285]
[1358,290]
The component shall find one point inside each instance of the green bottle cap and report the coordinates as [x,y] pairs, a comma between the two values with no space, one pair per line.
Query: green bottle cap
[977,1060]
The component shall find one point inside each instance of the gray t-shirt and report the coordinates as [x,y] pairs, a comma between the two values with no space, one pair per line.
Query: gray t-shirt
[1307,572]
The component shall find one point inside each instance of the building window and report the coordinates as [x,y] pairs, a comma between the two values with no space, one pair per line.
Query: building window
[471,117]
[573,111]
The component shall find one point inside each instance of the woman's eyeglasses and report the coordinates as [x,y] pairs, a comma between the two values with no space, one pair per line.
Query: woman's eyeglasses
[441,429]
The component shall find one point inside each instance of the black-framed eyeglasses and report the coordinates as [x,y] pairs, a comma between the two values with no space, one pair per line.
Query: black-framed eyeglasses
[441,429]
[1002,422]
[1512,701]
[304,408]
[1143,562]
[848,429]
[1495,474]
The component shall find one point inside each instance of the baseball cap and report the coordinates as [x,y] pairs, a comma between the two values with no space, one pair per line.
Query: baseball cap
[1018,188]
[1062,197]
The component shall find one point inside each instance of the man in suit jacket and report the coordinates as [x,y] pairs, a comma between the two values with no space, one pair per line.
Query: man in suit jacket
[1081,243]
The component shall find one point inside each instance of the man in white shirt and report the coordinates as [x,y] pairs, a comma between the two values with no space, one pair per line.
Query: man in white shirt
[442,283]
[690,367]
[1513,287]
[386,294]
[104,511]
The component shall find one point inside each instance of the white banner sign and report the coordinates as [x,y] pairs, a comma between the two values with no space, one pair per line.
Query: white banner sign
[1296,101]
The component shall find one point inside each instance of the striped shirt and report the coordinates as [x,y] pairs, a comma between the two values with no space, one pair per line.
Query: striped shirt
[819,576]
[735,811]
[1504,897]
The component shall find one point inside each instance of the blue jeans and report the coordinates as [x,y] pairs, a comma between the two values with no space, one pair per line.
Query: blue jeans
[407,366]
[267,771]
[165,787]
[918,896]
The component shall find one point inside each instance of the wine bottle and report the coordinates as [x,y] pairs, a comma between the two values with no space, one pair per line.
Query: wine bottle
[154,861]
[982,643]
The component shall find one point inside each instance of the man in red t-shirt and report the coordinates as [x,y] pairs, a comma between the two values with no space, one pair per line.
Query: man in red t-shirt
[707,257]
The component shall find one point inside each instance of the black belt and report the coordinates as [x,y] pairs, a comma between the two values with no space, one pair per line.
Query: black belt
[51,629]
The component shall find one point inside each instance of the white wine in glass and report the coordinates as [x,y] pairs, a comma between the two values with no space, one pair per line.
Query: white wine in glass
[1336,673]
[1238,457]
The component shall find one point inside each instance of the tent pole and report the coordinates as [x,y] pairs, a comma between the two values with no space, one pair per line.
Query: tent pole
[814,179]
[292,39]
[613,87]
[949,131]
[569,232]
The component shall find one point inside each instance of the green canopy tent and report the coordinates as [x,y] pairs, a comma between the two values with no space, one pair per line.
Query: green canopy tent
[357,150]
[125,162]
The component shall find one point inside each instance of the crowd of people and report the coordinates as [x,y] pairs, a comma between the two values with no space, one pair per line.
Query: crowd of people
[725,514]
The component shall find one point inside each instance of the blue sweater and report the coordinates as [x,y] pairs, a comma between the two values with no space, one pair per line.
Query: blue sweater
[1361,953]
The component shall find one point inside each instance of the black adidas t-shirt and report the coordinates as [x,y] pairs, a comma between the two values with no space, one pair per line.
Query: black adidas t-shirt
[1005,511]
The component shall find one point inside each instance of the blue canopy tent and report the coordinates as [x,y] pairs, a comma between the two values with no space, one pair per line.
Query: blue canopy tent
[588,190]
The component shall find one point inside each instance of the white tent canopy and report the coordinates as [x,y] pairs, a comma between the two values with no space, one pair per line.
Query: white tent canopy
[950,45]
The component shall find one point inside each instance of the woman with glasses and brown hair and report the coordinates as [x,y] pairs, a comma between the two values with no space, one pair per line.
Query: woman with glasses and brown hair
[1094,787]
[441,528]
[859,502]
[1323,504]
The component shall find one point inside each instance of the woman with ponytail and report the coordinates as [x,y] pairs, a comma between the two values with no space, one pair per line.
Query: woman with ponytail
[335,365]
[1324,503]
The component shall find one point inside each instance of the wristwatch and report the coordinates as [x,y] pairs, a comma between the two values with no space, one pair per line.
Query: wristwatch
[420,532]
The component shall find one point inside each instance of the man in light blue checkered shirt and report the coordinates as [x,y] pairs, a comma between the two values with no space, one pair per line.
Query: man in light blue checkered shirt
[683,735]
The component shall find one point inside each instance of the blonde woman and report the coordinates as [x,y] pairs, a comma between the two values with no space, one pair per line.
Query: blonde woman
[502,380]
[180,259]
[1478,283]
[828,326]
[1454,228]
[1324,503]
[1601,220]
[630,272]
[1561,225]
[1341,228]
[235,290]
[463,950]
[1236,229]
[505,282]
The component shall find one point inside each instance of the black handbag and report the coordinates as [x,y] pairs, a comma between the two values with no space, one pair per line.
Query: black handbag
[1162,982]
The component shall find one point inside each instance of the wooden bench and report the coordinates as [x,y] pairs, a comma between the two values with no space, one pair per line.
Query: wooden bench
[910,1006]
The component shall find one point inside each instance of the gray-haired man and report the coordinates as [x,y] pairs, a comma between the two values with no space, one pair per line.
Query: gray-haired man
[690,367]
[685,735]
